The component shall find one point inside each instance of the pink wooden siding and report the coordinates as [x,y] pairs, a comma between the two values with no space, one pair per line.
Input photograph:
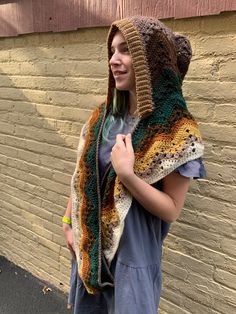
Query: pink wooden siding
[28,16]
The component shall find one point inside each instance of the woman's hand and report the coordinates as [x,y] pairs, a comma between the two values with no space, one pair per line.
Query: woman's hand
[165,204]
[122,156]
[67,230]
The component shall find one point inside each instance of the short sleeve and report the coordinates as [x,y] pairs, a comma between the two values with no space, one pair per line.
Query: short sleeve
[192,169]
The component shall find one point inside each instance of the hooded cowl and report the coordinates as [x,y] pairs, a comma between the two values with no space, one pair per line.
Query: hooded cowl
[164,137]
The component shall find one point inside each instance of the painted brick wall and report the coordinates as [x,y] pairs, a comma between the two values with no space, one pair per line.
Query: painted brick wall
[49,83]
[199,256]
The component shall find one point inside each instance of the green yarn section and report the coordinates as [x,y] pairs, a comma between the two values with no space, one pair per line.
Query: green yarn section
[94,263]
[168,99]
[92,219]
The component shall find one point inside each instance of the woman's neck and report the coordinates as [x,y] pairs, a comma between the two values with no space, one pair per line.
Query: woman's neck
[132,102]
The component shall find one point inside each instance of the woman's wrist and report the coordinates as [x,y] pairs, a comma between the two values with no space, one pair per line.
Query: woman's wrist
[66,223]
[127,177]
[66,220]
[66,228]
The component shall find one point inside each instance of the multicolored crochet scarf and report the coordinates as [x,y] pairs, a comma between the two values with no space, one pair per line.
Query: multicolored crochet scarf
[165,137]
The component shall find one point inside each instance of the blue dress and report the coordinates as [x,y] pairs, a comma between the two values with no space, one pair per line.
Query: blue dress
[137,263]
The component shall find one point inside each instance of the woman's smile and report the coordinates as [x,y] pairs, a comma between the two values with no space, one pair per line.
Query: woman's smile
[119,73]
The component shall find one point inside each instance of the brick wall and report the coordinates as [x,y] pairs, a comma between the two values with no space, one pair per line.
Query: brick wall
[200,256]
[49,84]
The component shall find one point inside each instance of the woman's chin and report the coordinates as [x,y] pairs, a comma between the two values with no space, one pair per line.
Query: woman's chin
[121,87]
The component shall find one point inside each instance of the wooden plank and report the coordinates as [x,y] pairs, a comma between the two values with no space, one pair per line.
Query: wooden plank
[12,17]
[128,8]
[228,5]
[95,12]
[24,9]
[161,9]
[63,15]
[155,8]
[190,8]
[8,20]
[42,15]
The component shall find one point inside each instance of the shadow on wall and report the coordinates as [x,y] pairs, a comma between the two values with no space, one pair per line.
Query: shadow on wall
[48,85]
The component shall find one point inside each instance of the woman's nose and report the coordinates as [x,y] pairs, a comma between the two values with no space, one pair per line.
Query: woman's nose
[115,60]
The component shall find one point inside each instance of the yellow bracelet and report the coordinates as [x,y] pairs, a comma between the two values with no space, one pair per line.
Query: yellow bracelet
[66,220]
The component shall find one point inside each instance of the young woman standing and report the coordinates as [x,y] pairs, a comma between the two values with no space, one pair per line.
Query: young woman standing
[136,156]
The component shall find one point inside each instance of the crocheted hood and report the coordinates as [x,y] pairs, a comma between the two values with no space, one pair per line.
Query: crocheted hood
[154,48]
[164,137]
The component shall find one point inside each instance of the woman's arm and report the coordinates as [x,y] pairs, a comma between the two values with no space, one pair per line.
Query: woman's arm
[68,208]
[165,204]
[67,230]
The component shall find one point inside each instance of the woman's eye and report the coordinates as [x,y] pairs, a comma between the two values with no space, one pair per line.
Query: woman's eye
[125,49]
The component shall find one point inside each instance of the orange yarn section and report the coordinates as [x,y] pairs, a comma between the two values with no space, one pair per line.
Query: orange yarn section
[87,237]
[109,217]
[172,143]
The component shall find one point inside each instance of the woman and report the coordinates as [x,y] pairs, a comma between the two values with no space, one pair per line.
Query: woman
[136,155]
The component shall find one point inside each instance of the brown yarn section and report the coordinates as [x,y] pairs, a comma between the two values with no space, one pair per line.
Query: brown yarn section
[143,82]
[87,238]
[109,216]
[158,41]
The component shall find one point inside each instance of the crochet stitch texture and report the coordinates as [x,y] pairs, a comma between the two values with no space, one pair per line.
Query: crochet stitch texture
[164,137]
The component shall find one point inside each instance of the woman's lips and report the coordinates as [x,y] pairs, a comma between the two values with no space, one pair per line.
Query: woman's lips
[119,73]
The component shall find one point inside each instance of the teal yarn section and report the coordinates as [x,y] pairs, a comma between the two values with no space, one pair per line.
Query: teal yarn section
[167,91]
[92,219]
[94,265]
[168,99]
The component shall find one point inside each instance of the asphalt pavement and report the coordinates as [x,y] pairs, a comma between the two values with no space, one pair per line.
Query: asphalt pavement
[22,293]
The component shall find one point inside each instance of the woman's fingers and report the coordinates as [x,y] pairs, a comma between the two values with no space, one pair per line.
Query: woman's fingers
[69,239]
[119,142]
[128,142]
[124,141]
[122,155]
[120,139]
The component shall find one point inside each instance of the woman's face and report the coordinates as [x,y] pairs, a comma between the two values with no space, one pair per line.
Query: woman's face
[121,64]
